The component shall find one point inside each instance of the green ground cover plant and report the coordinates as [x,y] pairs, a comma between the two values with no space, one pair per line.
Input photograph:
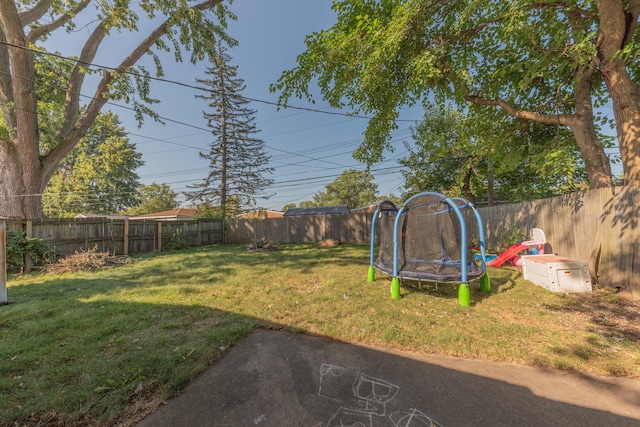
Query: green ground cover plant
[107,347]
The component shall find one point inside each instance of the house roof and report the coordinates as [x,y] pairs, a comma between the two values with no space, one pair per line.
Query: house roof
[175,213]
[87,216]
[261,214]
[319,210]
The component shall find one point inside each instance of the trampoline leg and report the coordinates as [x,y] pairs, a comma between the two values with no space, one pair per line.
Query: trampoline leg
[464,297]
[395,288]
[485,283]
[371,274]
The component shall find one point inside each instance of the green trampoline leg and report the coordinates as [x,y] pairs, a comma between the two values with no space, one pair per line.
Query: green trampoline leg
[464,297]
[371,274]
[395,288]
[485,283]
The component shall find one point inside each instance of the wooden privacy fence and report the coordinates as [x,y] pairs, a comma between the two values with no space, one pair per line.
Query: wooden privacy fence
[119,236]
[600,226]
[351,228]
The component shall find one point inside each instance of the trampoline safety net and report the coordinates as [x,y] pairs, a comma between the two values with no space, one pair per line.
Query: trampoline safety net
[429,245]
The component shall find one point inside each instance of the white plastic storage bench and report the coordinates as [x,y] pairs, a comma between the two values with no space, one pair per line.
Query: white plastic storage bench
[556,273]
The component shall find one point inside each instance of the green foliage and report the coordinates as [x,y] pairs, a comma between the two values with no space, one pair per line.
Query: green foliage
[98,176]
[209,210]
[21,248]
[462,155]
[175,242]
[528,59]
[154,198]
[352,187]
[54,88]
[512,236]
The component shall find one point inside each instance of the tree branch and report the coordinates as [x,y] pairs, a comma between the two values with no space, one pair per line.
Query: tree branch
[72,104]
[631,16]
[42,30]
[35,13]
[74,134]
[556,119]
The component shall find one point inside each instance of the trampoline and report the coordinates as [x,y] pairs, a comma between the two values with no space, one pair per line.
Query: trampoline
[426,239]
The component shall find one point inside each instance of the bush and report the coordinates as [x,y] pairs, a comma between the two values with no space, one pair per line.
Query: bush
[175,242]
[21,248]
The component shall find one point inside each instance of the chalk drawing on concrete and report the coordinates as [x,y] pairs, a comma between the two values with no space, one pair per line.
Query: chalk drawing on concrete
[364,400]
[412,418]
[364,394]
[349,418]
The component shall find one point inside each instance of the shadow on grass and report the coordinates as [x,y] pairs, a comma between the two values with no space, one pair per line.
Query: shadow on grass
[612,315]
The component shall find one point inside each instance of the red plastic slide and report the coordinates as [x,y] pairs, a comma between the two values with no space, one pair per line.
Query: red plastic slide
[507,255]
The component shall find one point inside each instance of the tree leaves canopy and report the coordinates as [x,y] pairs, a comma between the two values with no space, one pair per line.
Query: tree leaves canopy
[186,28]
[352,187]
[535,60]
[154,198]
[456,154]
[98,176]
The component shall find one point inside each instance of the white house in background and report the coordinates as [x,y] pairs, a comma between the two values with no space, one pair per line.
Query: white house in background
[172,215]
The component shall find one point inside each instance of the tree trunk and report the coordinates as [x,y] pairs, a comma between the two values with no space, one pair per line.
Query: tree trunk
[20,186]
[491,199]
[467,187]
[582,125]
[626,110]
[596,161]
[617,27]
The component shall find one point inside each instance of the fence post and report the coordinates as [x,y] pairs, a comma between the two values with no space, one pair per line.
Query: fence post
[125,239]
[159,236]
[3,261]
[27,259]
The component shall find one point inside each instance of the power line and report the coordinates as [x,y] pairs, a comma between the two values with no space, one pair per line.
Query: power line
[190,86]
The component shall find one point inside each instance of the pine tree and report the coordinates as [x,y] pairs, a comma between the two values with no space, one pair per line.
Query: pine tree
[238,161]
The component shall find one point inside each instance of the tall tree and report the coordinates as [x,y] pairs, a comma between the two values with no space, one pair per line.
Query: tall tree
[154,198]
[26,164]
[238,161]
[352,187]
[98,176]
[545,62]
[455,154]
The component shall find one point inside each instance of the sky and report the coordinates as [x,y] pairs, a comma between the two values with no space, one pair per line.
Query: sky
[308,149]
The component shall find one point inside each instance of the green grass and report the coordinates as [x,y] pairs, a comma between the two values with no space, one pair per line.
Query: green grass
[97,348]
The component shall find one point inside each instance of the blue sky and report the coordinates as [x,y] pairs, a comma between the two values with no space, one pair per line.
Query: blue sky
[308,149]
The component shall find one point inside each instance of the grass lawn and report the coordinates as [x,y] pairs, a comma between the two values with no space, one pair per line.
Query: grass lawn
[107,347]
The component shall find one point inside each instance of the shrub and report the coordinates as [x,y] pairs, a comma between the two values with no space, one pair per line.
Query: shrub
[175,242]
[21,248]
